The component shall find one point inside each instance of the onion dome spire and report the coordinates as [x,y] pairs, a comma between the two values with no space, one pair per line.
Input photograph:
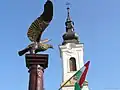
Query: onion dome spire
[69,24]
[70,36]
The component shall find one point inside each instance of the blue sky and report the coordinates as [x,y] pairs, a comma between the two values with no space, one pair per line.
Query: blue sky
[97,23]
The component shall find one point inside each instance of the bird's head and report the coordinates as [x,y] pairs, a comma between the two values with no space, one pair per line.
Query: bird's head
[50,46]
[43,47]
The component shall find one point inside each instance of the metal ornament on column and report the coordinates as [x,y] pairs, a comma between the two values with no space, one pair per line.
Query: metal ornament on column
[36,63]
[36,29]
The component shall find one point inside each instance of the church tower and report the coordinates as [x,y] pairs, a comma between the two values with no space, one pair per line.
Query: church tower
[71,53]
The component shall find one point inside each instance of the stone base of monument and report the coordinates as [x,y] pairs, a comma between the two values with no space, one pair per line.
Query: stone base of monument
[36,63]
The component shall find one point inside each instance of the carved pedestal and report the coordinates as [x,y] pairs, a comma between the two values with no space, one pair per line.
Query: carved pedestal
[36,63]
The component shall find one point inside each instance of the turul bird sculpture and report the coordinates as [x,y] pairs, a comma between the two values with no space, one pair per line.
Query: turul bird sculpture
[36,29]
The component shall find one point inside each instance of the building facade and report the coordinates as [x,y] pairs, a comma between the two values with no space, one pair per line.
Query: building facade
[71,53]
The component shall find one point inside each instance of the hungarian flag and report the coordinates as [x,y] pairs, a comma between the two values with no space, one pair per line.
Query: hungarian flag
[79,77]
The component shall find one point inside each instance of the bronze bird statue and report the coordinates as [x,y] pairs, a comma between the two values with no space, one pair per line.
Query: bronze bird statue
[36,29]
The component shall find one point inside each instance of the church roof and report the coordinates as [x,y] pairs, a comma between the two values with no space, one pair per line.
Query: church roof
[69,36]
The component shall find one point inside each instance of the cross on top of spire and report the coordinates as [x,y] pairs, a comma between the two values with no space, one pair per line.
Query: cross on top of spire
[68,11]
[69,23]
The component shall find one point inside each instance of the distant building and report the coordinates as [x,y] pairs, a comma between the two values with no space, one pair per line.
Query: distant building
[71,52]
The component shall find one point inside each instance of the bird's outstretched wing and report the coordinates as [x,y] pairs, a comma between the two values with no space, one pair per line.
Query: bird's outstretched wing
[39,25]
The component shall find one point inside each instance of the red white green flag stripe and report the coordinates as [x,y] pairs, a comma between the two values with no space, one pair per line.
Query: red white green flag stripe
[79,76]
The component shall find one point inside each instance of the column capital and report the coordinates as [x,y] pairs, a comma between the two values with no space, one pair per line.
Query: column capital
[36,59]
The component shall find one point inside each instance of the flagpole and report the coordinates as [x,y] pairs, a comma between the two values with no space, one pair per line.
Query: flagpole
[68,79]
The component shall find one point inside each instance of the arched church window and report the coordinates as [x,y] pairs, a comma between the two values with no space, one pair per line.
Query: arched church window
[72,63]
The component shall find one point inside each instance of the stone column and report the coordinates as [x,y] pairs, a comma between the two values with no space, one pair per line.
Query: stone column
[36,63]
[40,82]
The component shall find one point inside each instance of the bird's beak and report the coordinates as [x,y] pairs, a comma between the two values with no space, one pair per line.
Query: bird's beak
[51,46]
